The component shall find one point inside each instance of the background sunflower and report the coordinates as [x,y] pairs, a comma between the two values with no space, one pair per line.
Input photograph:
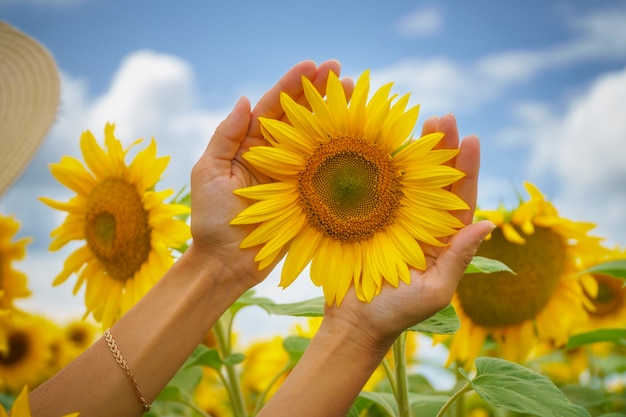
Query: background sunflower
[545,298]
[128,230]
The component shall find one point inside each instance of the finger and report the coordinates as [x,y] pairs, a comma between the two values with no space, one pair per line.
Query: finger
[320,80]
[447,125]
[348,87]
[467,161]
[454,259]
[291,83]
[430,125]
[230,133]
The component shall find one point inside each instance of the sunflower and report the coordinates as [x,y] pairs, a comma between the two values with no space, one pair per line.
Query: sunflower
[69,342]
[264,368]
[351,194]
[127,228]
[21,406]
[29,338]
[543,300]
[13,283]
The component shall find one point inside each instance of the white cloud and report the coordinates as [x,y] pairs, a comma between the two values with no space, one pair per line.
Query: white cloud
[150,95]
[154,95]
[424,21]
[439,84]
[447,85]
[583,151]
[600,34]
[590,155]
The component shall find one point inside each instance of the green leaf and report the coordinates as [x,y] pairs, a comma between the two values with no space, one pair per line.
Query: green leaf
[385,400]
[426,405]
[207,357]
[615,269]
[308,308]
[234,359]
[173,393]
[486,266]
[583,396]
[600,335]
[187,379]
[249,299]
[444,322]
[295,347]
[517,388]
[353,412]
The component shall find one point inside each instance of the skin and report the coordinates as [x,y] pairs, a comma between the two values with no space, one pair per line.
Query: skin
[214,272]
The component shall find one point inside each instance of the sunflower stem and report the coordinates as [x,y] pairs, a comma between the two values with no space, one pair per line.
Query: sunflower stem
[390,375]
[457,395]
[402,382]
[223,333]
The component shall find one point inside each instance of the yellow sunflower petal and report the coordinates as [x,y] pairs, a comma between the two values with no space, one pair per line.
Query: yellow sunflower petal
[285,164]
[71,173]
[267,191]
[291,138]
[358,105]
[301,251]
[319,107]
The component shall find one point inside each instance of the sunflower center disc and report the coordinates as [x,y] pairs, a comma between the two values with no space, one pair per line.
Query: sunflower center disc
[117,229]
[18,343]
[349,189]
[504,299]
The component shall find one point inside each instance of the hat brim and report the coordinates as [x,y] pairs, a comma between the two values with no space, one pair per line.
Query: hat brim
[30,89]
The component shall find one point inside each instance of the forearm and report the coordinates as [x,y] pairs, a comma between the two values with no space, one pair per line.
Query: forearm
[328,377]
[154,338]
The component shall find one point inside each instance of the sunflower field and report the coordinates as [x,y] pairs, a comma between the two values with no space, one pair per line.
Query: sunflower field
[537,326]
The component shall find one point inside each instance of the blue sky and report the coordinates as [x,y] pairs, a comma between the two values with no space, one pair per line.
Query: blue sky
[543,84]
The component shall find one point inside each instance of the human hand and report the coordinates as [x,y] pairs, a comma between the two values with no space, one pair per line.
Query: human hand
[377,324]
[221,170]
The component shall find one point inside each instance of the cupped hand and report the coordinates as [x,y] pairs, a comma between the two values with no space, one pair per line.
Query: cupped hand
[221,170]
[377,324]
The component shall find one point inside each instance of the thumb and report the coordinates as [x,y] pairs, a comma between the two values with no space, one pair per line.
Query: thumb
[454,260]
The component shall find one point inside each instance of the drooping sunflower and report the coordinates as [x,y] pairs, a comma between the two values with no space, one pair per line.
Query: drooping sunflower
[546,297]
[26,361]
[128,229]
[352,193]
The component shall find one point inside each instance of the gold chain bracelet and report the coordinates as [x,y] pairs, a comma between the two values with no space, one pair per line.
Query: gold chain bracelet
[122,363]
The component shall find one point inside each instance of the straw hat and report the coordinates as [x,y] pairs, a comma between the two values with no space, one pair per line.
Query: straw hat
[29,98]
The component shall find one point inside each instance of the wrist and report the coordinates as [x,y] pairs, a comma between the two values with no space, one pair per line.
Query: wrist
[358,333]
[210,267]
